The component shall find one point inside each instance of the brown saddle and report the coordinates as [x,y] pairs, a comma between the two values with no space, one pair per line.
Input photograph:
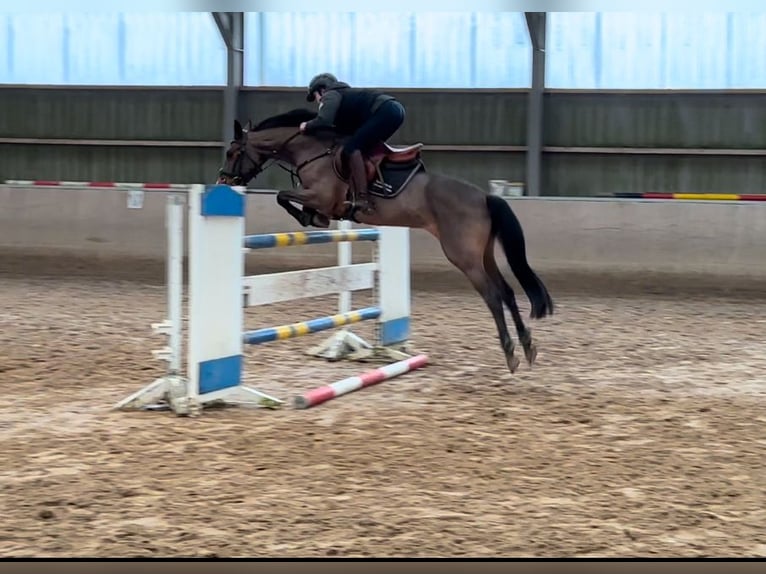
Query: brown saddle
[382,151]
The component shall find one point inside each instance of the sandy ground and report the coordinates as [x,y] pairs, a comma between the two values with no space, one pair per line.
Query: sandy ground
[640,431]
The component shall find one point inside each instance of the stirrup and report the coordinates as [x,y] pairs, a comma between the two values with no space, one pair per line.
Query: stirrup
[349,208]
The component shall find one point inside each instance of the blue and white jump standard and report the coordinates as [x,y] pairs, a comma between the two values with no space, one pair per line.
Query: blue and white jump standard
[219,294]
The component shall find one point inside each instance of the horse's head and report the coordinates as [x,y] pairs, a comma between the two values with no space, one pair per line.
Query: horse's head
[273,138]
[242,163]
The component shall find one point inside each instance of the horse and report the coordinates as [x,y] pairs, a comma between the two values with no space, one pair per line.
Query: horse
[465,219]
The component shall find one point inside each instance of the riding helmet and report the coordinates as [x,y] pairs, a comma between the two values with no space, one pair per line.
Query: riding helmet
[318,82]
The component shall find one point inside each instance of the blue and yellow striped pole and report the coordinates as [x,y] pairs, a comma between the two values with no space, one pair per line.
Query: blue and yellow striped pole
[283,332]
[267,240]
[693,196]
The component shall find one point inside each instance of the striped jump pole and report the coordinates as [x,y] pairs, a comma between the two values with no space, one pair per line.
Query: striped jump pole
[373,377]
[94,184]
[134,190]
[693,196]
[283,332]
[270,240]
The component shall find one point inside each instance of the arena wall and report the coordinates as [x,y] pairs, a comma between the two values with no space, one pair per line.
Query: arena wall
[573,237]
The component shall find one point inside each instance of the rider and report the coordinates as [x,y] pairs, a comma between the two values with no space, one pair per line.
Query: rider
[368,116]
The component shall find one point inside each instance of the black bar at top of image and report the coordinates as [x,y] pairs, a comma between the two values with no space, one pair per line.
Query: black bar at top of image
[712,565]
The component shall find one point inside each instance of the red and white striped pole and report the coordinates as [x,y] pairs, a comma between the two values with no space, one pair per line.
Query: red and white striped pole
[96,184]
[327,392]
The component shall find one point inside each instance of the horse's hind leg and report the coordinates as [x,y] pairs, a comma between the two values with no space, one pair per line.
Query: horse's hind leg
[525,335]
[465,251]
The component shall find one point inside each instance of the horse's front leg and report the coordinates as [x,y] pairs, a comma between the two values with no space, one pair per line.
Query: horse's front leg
[306,216]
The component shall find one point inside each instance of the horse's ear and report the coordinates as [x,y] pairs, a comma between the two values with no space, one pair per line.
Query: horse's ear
[249,126]
[237,130]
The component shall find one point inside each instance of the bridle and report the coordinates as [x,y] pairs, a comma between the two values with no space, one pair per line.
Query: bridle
[237,177]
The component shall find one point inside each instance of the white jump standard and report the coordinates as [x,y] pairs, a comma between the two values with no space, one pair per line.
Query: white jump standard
[207,380]
[218,295]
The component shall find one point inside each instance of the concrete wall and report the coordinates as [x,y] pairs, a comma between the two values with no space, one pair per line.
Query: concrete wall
[581,236]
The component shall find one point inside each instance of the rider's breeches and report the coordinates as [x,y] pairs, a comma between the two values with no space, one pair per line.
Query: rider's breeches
[381,126]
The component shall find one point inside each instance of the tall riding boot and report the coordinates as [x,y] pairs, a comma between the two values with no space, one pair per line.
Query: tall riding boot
[358,181]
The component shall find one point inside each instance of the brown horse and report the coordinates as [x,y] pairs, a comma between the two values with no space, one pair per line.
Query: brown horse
[464,218]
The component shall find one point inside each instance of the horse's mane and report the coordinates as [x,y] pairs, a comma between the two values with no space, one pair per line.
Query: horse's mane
[291,119]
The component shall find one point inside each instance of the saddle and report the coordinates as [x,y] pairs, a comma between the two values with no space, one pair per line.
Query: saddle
[383,152]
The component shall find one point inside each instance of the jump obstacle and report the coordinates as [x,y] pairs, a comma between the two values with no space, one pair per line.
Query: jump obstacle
[325,393]
[218,294]
[96,184]
[692,196]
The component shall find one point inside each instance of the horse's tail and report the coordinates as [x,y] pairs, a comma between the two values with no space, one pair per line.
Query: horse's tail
[506,226]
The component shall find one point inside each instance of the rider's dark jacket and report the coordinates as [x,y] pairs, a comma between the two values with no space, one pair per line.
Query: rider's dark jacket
[346,109]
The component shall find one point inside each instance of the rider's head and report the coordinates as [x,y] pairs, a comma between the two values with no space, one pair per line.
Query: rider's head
[318,85]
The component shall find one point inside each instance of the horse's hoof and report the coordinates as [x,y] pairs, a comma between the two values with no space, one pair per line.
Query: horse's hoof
[530,352]
[513,363]
[319,220]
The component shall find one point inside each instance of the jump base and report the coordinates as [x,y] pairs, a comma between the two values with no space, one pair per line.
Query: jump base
[171,393]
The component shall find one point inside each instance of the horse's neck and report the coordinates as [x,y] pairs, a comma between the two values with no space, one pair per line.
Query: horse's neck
[272,140]
[298,149]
